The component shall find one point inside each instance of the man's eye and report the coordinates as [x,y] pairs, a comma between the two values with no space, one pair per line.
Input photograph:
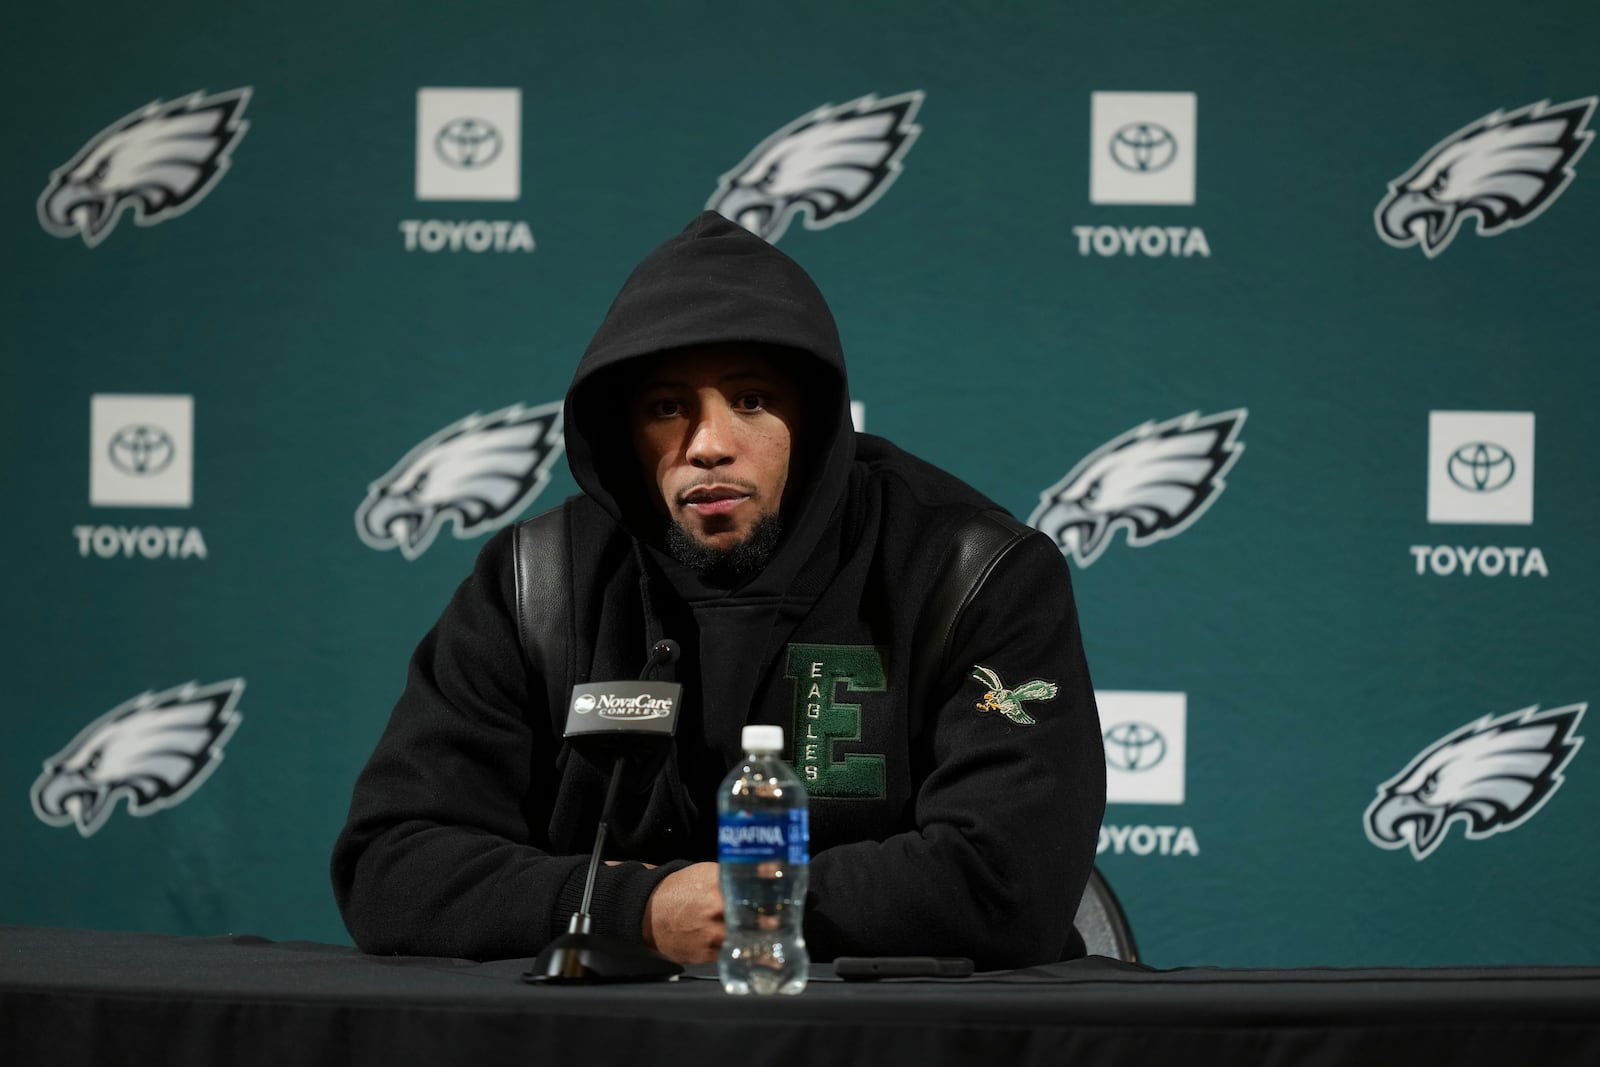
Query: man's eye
[751,402]
[665,409]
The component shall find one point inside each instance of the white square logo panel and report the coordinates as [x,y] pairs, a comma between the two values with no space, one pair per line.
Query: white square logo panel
[469,144]
[141,451]
[1146,741]
[1142,148]
[1480,467]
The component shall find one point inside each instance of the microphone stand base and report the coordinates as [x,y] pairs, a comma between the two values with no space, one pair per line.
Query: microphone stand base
[587,959]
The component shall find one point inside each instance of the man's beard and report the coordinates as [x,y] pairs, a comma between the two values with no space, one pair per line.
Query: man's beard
[727,566]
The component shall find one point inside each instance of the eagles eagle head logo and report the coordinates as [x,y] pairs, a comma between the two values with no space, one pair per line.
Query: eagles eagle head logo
[828,166]
[1153,481]
[1505,169]
[155,750]
[157,162]
[1491,775]
[480,472]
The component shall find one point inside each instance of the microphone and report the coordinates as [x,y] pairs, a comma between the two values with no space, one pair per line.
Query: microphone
[664,653]
[615,718]
[608,717]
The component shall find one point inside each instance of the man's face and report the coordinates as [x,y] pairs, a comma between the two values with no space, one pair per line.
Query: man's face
[713,427]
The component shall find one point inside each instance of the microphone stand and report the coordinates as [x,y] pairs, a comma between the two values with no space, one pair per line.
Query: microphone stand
[599,843]
[580,956]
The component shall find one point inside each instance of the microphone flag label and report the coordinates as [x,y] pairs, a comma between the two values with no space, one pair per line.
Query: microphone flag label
[619,708]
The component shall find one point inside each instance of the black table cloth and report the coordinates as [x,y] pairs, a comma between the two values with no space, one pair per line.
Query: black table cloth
[85,997]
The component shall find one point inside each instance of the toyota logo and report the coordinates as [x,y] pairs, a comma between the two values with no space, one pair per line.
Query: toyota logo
[1143,147]
[1134,746]
[468,143]
[1481,467]
[141,450]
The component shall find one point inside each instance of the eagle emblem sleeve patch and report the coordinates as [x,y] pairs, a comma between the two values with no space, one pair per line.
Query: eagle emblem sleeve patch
[1008,702]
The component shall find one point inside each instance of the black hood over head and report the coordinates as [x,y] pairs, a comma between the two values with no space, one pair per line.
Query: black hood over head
[715,282]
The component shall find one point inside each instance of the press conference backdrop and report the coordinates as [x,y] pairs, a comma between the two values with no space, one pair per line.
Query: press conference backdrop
[1279,318]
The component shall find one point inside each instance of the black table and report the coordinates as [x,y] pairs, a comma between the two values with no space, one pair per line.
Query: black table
[82,997]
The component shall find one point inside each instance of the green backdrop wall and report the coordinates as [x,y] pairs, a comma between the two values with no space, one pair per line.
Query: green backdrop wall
[1296,288]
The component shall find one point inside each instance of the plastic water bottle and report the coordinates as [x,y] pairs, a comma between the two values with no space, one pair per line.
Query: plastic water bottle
[764,848]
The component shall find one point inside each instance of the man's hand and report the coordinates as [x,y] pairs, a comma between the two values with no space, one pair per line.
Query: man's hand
[683,917]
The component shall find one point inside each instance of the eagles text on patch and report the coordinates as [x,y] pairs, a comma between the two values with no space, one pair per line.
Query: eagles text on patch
[821,721]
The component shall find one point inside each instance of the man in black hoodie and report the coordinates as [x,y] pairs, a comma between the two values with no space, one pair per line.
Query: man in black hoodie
[728,503]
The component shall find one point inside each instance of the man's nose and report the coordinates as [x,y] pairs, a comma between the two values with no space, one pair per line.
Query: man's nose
[711,441]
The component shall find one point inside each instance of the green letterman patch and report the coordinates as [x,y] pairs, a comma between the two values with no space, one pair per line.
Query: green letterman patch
[1008,702]
[820,719]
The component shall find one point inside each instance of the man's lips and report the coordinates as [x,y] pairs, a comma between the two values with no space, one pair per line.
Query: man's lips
[714,499]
